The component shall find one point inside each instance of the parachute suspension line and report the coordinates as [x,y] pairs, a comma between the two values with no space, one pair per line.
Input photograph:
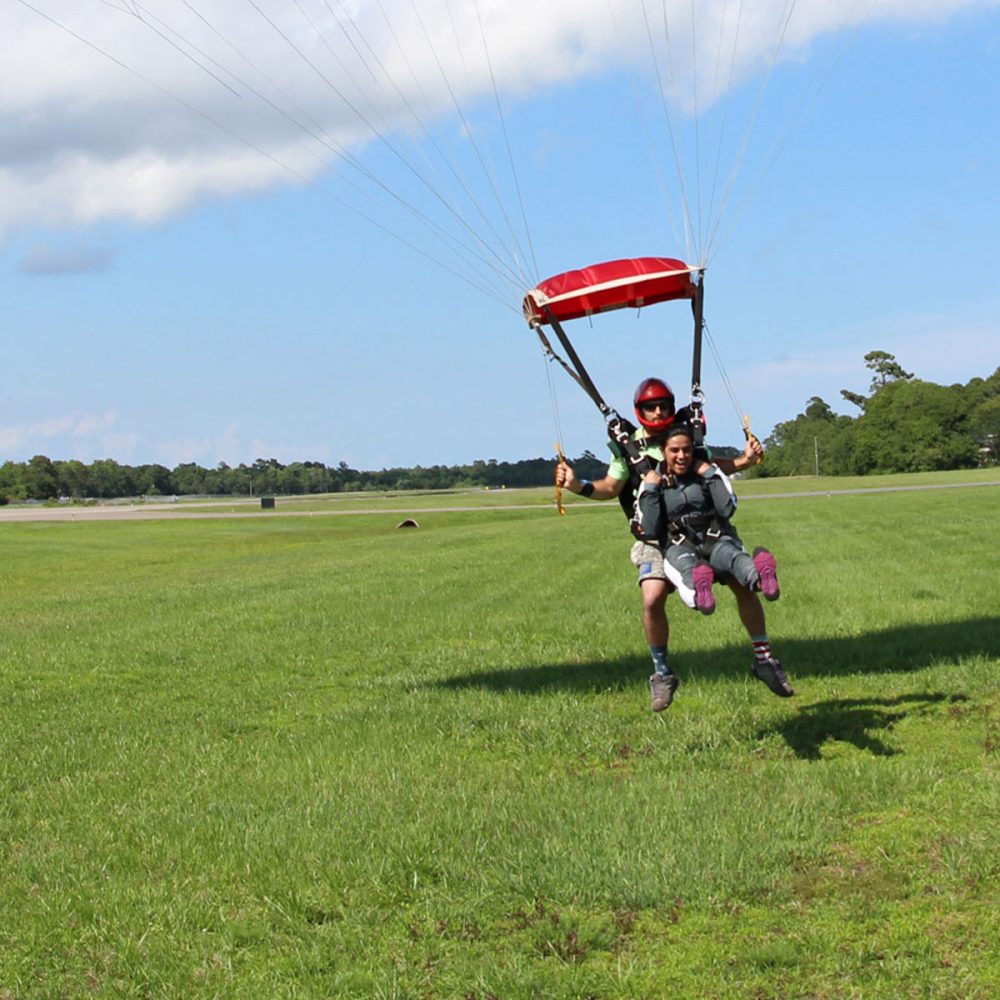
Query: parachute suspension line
[215,123]
[751,122]
[122,6]
[808,97]
[317,31]
[724,377]
[318,136]
[477,279]
[512,248]
[548,356]
[137,13]
[647,130]
[510,152]
[701,331]
[349,39]
[402,52]
[382,138]
[726,91]
[574,367]
[664,101]
[375,131]
[554,400]
[315,132]
[520,274]
[512,277]
[697,130]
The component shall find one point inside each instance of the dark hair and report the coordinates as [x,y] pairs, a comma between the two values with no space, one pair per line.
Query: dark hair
[678,428]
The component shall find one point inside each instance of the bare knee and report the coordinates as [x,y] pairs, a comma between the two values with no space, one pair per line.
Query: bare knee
[654,613]
[654,596]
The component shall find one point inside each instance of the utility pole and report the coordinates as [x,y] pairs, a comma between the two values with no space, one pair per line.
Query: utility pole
[816,454]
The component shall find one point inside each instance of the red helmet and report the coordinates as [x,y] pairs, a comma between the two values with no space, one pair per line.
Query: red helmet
[654,390]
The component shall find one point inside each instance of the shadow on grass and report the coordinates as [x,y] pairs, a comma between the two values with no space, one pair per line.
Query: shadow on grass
[901,649]
[851,720]
[604,675]
[895,650]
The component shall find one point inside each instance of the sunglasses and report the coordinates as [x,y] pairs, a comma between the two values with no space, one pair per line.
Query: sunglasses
[657,405]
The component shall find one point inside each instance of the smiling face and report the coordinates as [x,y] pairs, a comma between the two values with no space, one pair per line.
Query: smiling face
[678,452]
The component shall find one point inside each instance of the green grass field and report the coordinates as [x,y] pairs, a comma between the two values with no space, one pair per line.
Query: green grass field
[322,757]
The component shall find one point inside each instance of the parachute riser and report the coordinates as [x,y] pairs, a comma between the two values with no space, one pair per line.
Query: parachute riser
[574,368]
[620,433]
[697,397]
[619,430]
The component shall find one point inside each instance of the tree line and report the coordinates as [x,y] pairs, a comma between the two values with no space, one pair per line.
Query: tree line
[904,425]
[41,478]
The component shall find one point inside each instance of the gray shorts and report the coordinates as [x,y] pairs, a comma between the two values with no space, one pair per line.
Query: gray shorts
[648,560]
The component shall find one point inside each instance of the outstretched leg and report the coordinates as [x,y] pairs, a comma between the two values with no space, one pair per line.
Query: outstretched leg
[759,573]
[766,668]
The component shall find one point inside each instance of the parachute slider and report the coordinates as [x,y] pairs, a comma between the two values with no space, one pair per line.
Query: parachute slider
[615,284]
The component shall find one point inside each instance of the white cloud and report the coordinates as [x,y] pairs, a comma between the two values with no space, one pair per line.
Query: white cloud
[837,362]
[89,436]
[68,432]
[941,348]
[206,450]
[106,114]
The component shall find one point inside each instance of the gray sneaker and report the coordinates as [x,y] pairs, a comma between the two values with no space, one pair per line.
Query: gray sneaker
[662,687]
[771,674]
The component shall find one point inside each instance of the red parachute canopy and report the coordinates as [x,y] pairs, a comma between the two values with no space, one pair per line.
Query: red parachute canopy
[616,284]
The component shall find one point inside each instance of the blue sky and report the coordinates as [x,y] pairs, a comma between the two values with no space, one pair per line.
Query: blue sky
[186,282]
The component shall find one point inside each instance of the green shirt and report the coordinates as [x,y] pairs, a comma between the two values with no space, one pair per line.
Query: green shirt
[619,469]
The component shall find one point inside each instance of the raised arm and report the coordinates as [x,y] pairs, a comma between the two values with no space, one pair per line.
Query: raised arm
[600,489]
[753,454]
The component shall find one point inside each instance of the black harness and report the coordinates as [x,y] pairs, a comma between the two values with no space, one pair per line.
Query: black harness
[698,530]
[622,446]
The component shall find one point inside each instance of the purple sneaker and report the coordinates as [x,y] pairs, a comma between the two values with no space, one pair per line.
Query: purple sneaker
[703,577]
[767,569]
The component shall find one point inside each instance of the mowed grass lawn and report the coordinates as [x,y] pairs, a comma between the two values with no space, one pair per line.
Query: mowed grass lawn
[322,757]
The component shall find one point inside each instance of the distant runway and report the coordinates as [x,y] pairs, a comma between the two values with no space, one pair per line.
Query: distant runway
[224,508]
